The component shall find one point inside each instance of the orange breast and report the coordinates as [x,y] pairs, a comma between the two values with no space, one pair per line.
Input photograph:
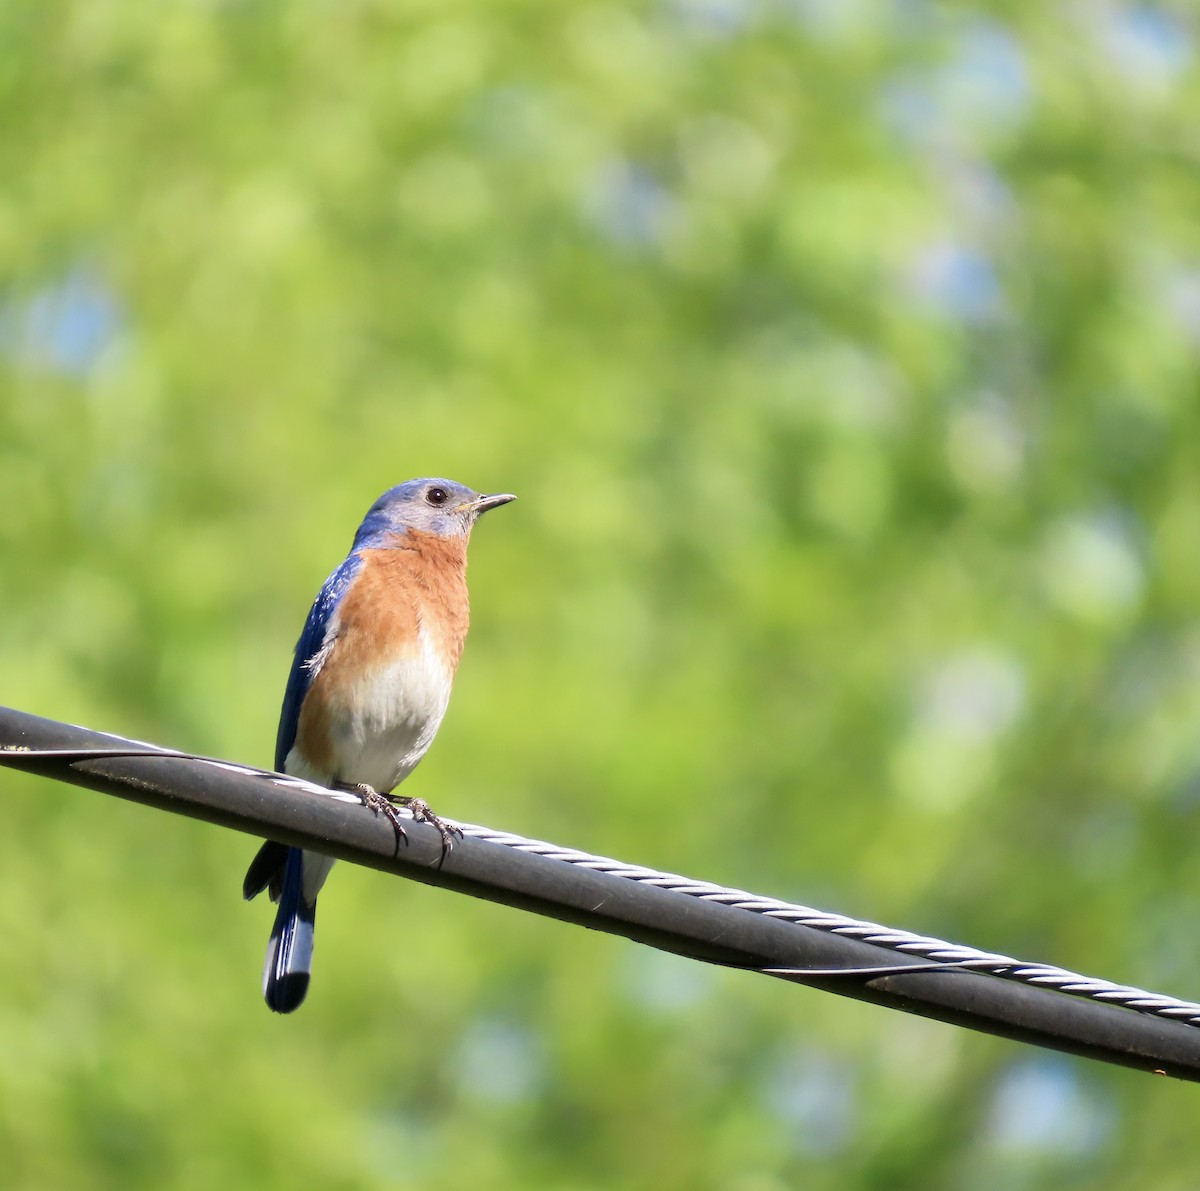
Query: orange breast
[414,590]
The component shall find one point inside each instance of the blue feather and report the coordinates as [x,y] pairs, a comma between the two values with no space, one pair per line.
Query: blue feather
[289,953]
[312,639]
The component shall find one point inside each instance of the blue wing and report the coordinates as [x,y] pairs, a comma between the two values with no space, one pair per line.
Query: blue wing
[307,648]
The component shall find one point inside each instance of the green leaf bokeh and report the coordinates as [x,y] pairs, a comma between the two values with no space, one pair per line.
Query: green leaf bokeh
[844,358]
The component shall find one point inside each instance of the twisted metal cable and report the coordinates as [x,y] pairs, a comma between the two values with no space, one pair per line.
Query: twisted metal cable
[706,921]
[941,954]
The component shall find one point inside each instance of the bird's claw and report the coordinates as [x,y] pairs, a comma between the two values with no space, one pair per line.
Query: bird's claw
[420,810]
[380,803]
[417,807]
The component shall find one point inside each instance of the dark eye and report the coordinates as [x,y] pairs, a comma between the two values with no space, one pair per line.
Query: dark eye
[437,496]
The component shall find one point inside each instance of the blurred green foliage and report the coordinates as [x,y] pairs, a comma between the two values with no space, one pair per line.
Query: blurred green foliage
[844,356]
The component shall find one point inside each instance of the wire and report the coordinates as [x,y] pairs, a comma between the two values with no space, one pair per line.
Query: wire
[700,919]
[944,955]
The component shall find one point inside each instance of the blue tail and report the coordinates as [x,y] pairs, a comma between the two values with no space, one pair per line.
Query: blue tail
[289,953]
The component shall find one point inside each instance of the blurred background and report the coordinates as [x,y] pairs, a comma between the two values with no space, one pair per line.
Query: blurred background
[843,354]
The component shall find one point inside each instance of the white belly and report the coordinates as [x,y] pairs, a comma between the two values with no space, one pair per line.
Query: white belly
[385,722]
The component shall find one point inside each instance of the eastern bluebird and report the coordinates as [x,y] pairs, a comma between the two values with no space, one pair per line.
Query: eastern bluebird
[369,686]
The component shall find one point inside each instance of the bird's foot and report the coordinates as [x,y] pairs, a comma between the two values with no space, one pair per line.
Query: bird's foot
[417,807]
[379,803]
[421,811]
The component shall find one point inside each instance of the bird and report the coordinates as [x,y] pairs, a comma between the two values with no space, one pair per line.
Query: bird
[369,684]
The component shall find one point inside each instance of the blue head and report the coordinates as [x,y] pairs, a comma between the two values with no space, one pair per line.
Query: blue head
[432,506]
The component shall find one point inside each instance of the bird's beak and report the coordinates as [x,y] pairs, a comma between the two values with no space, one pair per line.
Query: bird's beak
[488,502]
